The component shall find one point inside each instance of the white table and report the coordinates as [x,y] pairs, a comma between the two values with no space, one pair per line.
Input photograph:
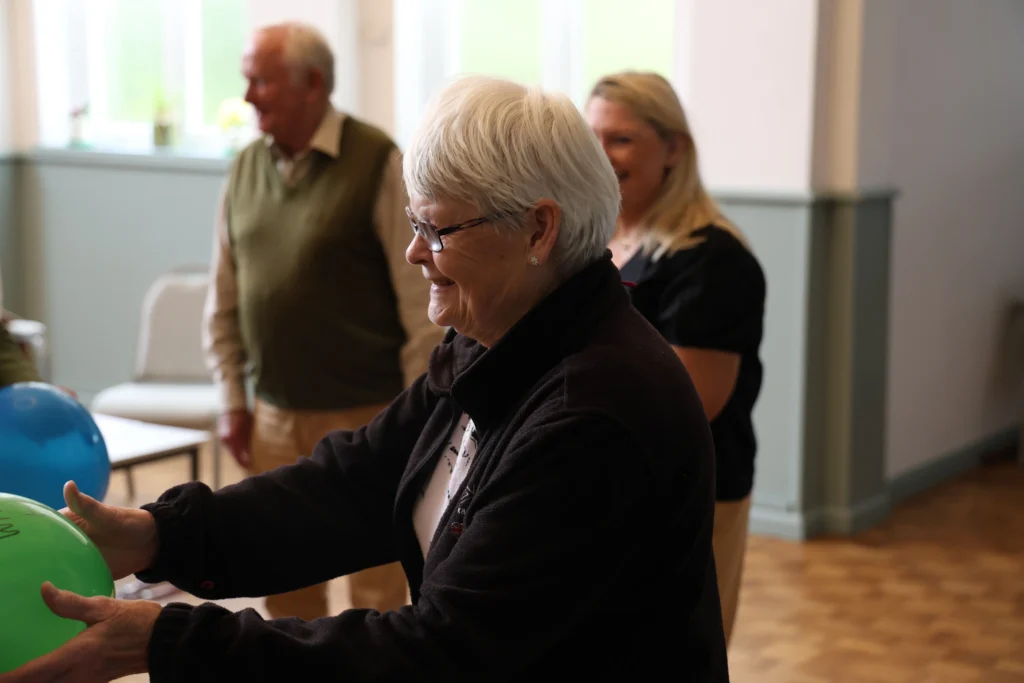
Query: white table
[131,442]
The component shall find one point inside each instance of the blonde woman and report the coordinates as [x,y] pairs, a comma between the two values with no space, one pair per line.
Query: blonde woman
[695,279]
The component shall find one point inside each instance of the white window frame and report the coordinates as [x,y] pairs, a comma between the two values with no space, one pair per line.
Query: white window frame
[426,53]
[425,57]
[71,74]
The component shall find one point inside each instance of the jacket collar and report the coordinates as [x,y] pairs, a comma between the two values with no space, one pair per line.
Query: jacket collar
[487,383]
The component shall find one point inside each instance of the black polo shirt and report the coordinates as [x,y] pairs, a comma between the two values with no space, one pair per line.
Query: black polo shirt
[711,296]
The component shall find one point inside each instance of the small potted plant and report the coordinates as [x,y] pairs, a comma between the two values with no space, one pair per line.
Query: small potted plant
[163,123]
[78,118]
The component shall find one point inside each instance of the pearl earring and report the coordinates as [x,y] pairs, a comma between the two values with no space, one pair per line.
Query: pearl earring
[534,261]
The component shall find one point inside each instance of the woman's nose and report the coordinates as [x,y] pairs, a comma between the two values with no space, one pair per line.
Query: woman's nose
[418,252]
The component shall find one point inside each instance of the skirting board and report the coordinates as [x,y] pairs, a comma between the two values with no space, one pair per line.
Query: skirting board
[785,524]
[931,474]
[801,525]
[862,515]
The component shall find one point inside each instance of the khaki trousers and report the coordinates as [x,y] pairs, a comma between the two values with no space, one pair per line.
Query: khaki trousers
[279,438]
[730,544]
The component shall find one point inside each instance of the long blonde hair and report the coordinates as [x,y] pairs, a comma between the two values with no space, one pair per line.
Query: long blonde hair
[683,205]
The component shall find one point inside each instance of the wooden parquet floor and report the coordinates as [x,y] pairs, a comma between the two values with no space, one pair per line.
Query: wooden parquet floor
[933,595]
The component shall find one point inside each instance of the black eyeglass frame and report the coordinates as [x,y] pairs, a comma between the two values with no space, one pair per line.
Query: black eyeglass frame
[432,235]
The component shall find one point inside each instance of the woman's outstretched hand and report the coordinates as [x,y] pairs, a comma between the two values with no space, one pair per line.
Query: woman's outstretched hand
[126,537]
[114,644]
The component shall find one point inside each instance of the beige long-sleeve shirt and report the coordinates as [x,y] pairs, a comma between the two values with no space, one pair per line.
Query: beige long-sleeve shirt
[226,355]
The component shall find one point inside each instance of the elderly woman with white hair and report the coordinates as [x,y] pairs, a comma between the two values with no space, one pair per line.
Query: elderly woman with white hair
[548,484]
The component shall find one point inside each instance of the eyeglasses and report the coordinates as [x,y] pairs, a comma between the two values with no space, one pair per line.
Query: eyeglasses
[432,234]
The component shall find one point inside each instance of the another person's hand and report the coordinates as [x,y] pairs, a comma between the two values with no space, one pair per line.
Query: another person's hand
[127,537]
[235,429]
[114,644]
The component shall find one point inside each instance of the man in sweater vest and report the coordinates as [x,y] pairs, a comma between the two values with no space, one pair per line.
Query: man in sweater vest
[311,295]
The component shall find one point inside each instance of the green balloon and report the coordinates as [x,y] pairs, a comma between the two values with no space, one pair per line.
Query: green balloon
[39,544]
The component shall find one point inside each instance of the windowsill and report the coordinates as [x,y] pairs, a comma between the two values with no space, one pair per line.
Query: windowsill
[154,158]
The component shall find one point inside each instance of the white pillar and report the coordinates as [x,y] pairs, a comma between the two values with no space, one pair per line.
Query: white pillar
[22,105]
[752,92]
[424,58]
[376,55]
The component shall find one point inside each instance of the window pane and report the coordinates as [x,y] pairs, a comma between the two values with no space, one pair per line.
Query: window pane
[224,36]
[134,65]
[502,38]
[615,38]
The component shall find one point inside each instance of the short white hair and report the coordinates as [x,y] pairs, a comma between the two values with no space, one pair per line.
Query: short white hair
[502,147]
[305,48]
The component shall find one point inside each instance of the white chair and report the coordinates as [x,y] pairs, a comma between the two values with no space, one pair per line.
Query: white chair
[172,385]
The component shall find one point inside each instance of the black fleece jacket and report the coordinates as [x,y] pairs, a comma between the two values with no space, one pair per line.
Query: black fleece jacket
[579,544]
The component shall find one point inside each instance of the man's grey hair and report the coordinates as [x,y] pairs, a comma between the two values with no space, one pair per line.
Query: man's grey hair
[502,147]
[306,48]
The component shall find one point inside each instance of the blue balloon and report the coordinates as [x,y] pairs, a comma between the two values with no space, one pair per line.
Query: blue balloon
[48,438]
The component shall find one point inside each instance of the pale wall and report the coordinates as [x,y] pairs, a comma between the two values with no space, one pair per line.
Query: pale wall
[956,154]
[376,56]
[752,92]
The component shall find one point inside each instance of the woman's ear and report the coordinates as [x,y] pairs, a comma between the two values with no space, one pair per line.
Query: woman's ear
[547,220]
[677,146]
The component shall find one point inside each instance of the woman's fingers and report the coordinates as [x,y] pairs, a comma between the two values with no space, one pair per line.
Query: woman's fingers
[73,606]
[86,507]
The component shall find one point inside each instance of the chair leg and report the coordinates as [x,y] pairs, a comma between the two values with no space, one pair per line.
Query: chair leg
[131,483]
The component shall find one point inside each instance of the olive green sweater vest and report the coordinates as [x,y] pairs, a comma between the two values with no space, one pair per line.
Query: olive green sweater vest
[316,306]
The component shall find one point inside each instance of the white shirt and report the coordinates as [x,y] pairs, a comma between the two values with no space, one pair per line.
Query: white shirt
[448,476]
